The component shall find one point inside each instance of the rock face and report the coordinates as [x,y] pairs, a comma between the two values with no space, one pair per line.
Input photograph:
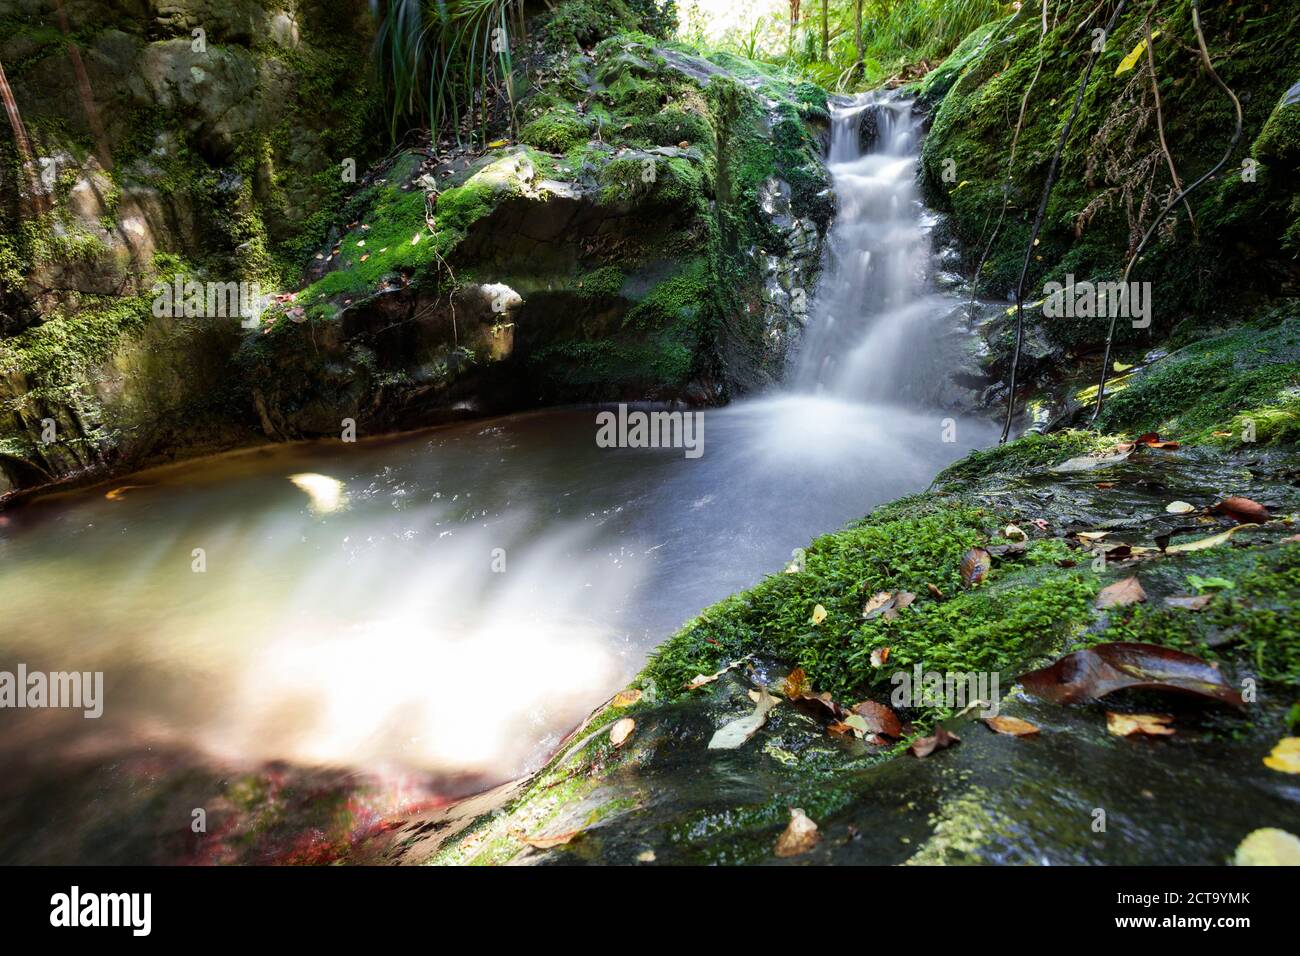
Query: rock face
[644,242]
[653,231]
[187,137]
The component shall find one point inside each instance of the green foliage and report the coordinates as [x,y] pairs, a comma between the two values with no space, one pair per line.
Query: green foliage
[1032,452]
[1217,384]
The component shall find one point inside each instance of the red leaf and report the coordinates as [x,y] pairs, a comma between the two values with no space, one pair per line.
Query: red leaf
[1106,668]
[1242,510]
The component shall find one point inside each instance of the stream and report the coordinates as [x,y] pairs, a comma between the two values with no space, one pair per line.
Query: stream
[302,640]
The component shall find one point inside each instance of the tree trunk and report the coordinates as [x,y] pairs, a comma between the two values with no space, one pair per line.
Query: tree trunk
[857,35]
[826,34]
[25,159]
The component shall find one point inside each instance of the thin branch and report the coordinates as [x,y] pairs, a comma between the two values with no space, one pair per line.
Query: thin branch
[1160,124]
[1042,211]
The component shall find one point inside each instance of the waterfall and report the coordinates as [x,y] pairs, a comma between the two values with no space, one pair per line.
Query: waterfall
[871,334]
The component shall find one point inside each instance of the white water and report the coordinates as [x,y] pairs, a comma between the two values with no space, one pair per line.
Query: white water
[357,621]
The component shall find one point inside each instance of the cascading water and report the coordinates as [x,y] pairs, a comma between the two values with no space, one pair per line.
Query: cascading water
[874,329]
[443,606]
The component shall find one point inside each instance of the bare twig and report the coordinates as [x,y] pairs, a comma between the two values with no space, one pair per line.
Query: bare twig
[1160,124]
[1042,211]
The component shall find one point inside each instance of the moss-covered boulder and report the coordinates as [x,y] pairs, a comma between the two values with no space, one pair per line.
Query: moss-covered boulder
[1114,177]
[644,237]
[205,140]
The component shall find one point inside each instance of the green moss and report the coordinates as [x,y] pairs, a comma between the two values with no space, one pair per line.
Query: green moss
[603,283]
[1016,614]
[556,131]
[1113,155]
[1032,452]
[1217,385]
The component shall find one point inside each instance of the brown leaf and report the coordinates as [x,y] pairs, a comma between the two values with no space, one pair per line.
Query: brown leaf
[935,592]
[879,656]
[1242,510]
[877,604]
[880,718]
[819,706]
[1122,593]
[546,842]
[800,835]
[1106,668]
[1012,726]
[1188,602]
[974,566]
[621,730]
[1126,725]
[626,698]
[796,683]
[924,746]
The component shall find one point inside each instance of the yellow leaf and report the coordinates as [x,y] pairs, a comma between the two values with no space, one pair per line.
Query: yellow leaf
[1268,847]
[1135,54]
[626,698]
[497,143]
[1285,756]
[819,614]
[1126,725]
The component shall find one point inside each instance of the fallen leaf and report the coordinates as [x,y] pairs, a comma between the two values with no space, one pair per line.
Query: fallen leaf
[818,614]
[924,746]
[1268,846]
[1014,533]
[621,730]
[1106,668]
[626,698]
[118,493]
[818,706]
[879,718]
[938,595]
[1188,602]
[1134,55]
[646,856]
[876,604]
[1105,485]
[497,143]
[1091,535]
[800,835]
[1121,593]
[1096,459]
[887,604]
[1179,508]
[879,656]
[1202,544]
[796,683]
[731,735]
[1242,510]
[546,842]
[1011,726]
[1285,756]
[1126,725]
[974,566]
[699,680]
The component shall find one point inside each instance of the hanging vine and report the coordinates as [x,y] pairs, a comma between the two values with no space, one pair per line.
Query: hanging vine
[1181,197]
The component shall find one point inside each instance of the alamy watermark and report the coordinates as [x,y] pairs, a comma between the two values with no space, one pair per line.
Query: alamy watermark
[638,429]
[1102,300]
[955,690]
[77,690]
